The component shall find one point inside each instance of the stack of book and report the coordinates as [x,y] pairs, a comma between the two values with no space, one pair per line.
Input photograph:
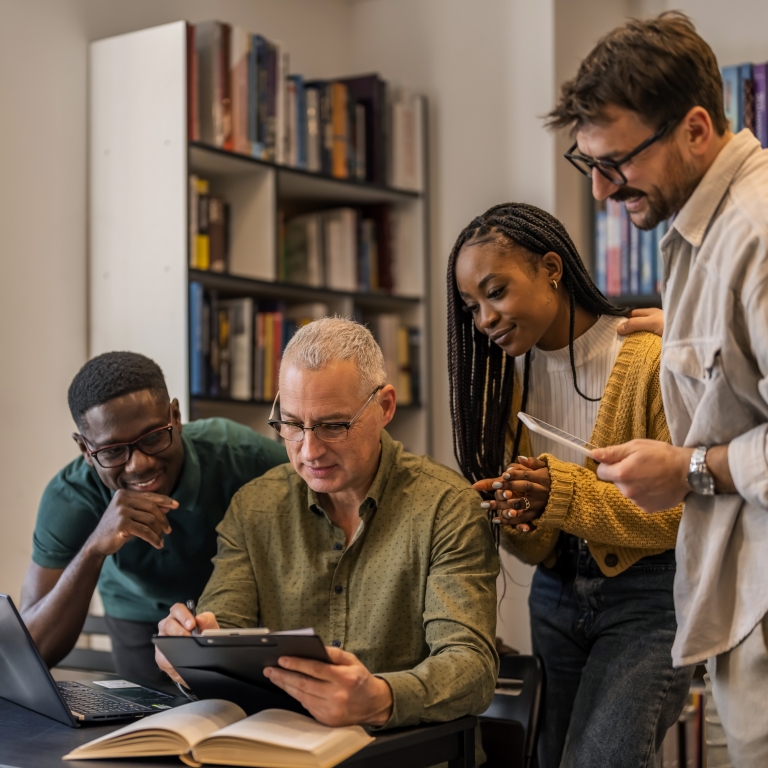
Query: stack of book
[627,259]
[346,249]
[208,228]
[236,345]
[242,98]
[744,94]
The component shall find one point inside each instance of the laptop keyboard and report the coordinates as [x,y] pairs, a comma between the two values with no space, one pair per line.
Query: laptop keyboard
[85,701]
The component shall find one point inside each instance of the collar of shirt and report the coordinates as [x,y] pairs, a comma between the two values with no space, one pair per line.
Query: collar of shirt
[376,491]
[695,216]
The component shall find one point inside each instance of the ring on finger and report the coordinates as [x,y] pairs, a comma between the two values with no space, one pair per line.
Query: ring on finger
[526,503]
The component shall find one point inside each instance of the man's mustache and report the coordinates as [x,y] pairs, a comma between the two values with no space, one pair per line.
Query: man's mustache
[625,193]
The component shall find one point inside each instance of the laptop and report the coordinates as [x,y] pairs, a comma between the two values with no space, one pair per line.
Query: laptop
[26,680]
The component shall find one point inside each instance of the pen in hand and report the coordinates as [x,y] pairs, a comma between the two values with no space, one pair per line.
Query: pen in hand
[192,607]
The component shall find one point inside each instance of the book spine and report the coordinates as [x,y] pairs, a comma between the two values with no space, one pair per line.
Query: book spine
[613,265]
[634,259]
[647,259]
[731,98]
[196,354]
[601,249]
[746,98]
[339,120]
[313,137]
[760,76]
[626,226]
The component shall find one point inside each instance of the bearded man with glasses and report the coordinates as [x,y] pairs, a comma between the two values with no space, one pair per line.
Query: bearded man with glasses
[135,514]
[386,554]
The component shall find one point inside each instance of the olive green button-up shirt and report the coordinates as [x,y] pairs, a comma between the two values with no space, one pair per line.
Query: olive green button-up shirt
[413,596]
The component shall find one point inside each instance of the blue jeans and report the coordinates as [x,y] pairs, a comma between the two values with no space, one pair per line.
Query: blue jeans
[610,690]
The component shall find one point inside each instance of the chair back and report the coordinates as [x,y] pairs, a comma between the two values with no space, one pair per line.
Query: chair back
[509,726]
[90,658]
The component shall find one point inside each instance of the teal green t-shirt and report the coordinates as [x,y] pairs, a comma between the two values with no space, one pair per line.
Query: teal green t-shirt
[139,582]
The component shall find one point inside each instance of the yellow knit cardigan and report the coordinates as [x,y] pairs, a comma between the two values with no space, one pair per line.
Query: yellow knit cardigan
[618,532]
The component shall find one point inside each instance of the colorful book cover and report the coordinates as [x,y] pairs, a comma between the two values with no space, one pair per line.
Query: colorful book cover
[340,121]
[196,352]
[759,77]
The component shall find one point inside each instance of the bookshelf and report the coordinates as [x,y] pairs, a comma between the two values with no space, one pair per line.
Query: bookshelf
[140,274]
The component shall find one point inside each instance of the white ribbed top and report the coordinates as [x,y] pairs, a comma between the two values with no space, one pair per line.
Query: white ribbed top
[551,394]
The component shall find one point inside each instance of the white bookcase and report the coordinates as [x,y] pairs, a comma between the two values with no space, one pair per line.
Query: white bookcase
[140,161]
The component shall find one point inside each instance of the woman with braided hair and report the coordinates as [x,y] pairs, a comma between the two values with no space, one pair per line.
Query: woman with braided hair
[529,331]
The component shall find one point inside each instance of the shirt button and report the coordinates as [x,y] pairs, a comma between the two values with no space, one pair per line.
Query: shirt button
[338,589]
[337,545]
[336,643]
[611,560]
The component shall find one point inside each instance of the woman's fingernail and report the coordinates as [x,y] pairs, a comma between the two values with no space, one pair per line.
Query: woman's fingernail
[524,528]
[496,486]
[507,476]
[507,494]
[485,504]
[522,458]
[496,521]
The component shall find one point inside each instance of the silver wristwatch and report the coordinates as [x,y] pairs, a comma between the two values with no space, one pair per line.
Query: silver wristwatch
[699,477]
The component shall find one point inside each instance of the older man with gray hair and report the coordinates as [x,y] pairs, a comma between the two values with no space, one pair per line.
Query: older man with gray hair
[384,553]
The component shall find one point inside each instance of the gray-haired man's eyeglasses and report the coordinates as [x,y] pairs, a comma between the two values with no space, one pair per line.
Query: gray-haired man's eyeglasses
[334,432]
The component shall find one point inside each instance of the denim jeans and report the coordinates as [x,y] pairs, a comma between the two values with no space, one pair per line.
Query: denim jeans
[610,690]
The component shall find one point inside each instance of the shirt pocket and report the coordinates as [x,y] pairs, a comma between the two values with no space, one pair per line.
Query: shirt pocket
[693,364]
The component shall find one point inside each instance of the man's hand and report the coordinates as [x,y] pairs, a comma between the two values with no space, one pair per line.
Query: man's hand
[650,473]
[342,693]
[528,479]
[131,514]
[180,623]
[651,319]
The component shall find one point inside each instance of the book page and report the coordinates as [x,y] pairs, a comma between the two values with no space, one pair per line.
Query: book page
[171,732]
[288,729]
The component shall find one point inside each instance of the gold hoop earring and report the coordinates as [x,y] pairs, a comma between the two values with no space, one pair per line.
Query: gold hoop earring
[554,284]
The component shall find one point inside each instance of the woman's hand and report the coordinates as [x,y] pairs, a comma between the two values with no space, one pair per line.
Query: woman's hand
[529,480]
[651,319]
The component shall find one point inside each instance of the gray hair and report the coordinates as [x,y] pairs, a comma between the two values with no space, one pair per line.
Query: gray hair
[332,339]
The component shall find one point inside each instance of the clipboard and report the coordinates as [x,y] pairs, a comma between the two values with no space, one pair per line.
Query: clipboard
[240,657]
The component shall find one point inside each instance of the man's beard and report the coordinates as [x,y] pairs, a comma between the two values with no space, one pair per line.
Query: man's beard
[679,185]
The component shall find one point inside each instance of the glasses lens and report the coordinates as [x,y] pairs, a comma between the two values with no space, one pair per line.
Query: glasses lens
[113,457]
[155,442]
[582,165]
[611,173]
[331,433]
[289,432]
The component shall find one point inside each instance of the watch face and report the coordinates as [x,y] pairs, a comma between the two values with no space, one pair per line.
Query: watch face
[702,482]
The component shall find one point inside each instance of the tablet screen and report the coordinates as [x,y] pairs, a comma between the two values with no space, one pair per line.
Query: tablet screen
[558,435]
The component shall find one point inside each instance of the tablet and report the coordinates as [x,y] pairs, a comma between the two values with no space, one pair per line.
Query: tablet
[241,656]
[558,435]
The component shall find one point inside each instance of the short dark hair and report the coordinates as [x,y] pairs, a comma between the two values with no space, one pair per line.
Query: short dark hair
[659,68]
[111,375]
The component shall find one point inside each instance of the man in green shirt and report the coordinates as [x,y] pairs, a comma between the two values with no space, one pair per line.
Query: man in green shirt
[386,554]
[135,514]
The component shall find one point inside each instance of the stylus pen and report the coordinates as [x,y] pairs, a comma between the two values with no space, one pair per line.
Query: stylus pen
[192,607]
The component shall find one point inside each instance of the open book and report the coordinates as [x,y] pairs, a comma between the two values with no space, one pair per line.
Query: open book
[216,731]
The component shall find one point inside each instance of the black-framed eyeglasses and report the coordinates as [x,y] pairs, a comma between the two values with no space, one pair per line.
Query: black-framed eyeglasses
[611,168]
[332,432]
[153,442]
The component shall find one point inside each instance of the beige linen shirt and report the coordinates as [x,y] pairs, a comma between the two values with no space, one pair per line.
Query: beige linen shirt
[714,377]
[413,596]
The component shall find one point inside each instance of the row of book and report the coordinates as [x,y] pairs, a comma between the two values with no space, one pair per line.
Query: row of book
[208,228]
[627,259]
[236,345]
[346,249]
[242,98]
[744,95]
[684,744]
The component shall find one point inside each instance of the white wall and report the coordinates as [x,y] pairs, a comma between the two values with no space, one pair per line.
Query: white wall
[43,139]
[736,31]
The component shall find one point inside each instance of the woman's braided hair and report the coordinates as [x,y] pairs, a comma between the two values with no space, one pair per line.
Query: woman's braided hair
[481,375]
